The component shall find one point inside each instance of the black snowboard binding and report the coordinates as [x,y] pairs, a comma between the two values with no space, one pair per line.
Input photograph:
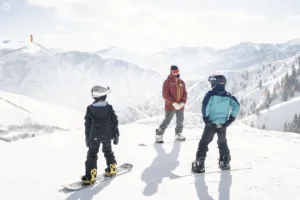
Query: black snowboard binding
[198,165]
[224,162]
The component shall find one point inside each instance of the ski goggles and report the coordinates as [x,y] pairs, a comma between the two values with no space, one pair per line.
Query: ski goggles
[175,71]
[216,80]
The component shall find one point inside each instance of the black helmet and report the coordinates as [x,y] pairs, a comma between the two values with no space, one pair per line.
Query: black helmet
[217,80]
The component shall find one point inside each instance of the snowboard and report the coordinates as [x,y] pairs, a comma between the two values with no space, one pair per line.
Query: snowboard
[122,169]
[213,171]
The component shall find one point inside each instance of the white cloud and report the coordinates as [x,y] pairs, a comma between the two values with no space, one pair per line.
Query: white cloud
[145,27]
[133,12]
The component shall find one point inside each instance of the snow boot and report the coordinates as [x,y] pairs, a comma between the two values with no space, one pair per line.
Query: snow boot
[111,170]
[224,162]
[180,137]
[198,166]
[90,178]
[159,139]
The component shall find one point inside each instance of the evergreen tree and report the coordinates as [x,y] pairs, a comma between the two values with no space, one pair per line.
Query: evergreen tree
[260,84]
[274,93]
[293,127]
[285,129]
[284,95]
[298,125]
[294,72]
[242,102]
[268,98]
[263,126]
[285,87]
[253,106]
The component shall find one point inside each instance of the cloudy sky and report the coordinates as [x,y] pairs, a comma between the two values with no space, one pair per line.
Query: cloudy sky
[150,25]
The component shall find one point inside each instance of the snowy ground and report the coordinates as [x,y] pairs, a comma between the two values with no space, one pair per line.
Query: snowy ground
[35,168]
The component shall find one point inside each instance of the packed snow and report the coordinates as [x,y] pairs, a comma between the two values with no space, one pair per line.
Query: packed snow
[263,162]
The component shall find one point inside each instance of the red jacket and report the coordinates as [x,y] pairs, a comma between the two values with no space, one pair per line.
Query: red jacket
[174,91]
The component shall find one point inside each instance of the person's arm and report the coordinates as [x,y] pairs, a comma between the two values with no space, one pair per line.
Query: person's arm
[87,125]
[115,123]
[166,93]
[115,127]
[184,98]
[206,103]
[235,106]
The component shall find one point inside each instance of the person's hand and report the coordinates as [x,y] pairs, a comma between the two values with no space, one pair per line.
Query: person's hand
[207,121]
[116,140]
[176,105]
[181,104]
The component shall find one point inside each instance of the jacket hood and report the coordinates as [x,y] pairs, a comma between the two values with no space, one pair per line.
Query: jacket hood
[219,90]
[100,109]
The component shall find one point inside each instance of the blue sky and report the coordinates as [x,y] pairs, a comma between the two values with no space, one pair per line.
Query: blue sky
[148,26]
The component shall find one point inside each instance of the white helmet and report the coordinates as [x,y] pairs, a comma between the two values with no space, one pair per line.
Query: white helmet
[99,91]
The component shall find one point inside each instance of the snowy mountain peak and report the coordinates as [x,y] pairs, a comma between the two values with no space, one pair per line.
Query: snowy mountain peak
[118,52]
[295,41]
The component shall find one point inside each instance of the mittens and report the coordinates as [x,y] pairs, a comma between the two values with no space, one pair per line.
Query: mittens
[181,104]
[176,105]
[116,140]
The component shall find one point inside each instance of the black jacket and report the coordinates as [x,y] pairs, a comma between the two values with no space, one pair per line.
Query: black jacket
[101,123]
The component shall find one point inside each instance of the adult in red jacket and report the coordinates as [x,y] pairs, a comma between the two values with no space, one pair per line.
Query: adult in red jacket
[175,96]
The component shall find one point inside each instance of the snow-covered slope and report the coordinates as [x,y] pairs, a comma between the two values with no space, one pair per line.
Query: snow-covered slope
[66,78]
[159,172]
[197,61]
[23,117]
[120,53]
[276,116]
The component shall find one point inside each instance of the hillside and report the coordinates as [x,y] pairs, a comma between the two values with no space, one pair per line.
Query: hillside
[66,78]
[23,117]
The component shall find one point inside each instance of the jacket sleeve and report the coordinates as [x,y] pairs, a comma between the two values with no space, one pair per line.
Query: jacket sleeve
[206,103]
[87,124]
[115,123]
[166,93]
[235,106]
[184,98]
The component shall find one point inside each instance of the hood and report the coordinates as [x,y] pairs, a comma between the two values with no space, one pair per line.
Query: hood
[99,109]
[219,90]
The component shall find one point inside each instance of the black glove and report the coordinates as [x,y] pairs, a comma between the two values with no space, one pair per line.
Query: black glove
[228,123]
[230,120]
[87,142]
[207,122]
[116,139]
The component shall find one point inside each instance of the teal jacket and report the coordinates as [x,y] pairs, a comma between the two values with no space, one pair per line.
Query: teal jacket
[218,104]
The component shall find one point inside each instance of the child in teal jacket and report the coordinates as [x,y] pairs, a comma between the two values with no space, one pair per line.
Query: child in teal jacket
[219,110]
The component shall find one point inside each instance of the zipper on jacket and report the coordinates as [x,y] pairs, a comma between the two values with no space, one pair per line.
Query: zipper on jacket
[177,89]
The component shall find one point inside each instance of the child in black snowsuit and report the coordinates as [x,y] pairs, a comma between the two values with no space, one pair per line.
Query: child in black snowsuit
[219,110]
[101,126]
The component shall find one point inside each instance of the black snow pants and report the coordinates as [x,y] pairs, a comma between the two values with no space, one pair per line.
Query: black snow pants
[207,137]
[92,156]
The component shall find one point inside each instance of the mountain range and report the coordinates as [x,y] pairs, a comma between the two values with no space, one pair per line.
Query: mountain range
[66,77]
